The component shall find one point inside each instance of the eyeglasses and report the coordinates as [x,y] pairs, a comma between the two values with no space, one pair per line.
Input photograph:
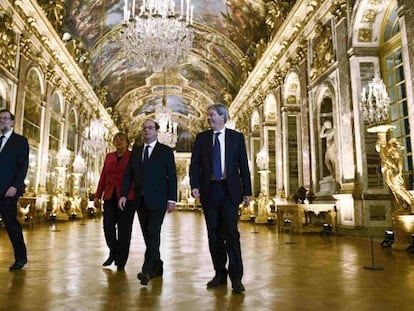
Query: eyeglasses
[150,127]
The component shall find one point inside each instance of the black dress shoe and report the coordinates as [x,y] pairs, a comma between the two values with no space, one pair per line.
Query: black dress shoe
[217,281]
[108,262]
[238,288]
[143,277]
[157,273]
[19,264]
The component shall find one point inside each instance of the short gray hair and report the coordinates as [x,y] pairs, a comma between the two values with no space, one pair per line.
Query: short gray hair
[221,110]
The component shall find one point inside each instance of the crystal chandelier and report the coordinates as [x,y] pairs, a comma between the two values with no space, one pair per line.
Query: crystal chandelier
[375,102]
[63,157]
[79,165]
[95,137]
[157,37]
[167,134]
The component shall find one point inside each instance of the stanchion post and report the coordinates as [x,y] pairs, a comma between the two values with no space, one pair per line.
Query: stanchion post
[253,217]
[373,266]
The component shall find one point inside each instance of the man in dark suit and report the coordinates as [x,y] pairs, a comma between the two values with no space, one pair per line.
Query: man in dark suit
[14,161]
[152,170]
[220,177]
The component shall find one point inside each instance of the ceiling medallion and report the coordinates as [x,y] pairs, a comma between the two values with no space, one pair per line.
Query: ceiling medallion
[157,37]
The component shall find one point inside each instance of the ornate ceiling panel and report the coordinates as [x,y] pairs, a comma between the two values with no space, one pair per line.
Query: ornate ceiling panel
[226,32]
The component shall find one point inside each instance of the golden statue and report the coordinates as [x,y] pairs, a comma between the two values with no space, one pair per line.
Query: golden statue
[391,168]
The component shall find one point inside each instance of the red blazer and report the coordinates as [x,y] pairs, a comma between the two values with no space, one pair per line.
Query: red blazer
[111,177]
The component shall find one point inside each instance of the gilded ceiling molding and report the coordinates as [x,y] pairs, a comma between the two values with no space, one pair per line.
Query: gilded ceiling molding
[8,43]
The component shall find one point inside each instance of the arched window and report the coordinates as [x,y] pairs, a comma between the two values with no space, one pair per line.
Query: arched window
[31,124]
[32,108]
[3,94]
[392,67]
[72,131]
[55,123]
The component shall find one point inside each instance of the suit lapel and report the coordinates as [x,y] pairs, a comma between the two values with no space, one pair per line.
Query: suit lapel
[209,146]
[155,152]
[8,143]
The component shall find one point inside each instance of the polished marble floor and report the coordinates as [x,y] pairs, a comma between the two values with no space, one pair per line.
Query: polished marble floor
[311,273]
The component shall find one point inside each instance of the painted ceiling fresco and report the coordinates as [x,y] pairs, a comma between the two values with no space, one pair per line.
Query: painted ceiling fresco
[225,32]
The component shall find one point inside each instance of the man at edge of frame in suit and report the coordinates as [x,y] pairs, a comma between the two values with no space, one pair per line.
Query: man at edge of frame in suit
[14,162]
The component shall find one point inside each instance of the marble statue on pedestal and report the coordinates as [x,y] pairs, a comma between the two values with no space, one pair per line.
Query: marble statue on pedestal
[328,132]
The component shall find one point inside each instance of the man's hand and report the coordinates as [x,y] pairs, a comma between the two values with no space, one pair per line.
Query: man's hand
[121,203]
[195,193]
[170,207]
[97,203]
[11,192]
[246,201]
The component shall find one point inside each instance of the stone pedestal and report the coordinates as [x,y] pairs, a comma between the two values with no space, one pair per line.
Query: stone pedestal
[403,227]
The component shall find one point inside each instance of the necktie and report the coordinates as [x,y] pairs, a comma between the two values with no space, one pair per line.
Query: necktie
[217,170]
[146,154]
[1,140]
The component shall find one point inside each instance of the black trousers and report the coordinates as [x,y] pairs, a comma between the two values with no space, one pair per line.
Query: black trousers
[151,221]
[8,211]
[117,227]
[221,216]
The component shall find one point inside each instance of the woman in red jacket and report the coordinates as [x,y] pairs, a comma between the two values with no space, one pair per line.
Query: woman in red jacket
[109,188]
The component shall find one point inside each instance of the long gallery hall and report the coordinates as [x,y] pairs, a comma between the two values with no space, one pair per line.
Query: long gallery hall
[314,272]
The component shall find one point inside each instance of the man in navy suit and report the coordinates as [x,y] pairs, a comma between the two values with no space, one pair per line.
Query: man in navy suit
[220,177]
[152,170]
[14,161]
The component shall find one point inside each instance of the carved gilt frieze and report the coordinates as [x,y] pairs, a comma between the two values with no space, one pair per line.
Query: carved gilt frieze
[8,43]
[322,50]
[364,35]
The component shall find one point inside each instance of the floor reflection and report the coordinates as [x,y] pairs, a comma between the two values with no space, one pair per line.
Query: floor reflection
[65,271]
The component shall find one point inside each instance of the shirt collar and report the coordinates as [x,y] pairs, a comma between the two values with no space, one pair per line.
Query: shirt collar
[152,145]
[221,131]
[8,134]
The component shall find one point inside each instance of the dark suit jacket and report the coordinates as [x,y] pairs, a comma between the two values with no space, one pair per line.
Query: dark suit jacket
[111,177]
[236,164]
[14,162]
[156,180]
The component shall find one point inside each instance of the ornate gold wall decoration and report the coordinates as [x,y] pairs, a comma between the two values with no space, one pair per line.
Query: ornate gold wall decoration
[364,35]
[369,16]
[338,9]
[8,45]
[322,50]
